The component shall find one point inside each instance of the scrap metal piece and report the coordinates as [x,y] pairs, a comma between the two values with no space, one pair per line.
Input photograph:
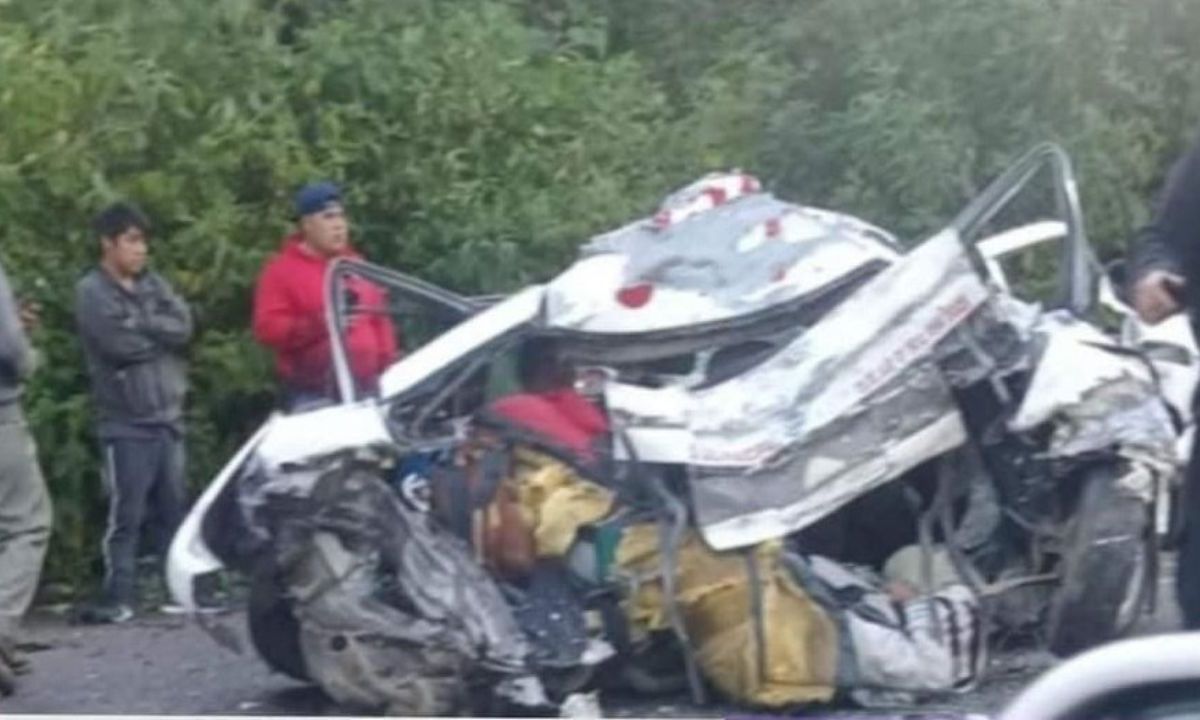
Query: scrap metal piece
[394,613]
[852,403]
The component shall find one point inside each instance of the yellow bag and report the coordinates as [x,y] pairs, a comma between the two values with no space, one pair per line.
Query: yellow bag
[556,501]
[791,659]
[534,512]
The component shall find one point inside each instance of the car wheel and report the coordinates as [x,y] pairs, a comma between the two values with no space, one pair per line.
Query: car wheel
[273,626]
[1106,567]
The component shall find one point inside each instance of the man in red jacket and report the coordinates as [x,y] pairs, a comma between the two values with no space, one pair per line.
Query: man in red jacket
[289,306]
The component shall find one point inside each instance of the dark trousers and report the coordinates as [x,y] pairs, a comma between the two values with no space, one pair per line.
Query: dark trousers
[144,477]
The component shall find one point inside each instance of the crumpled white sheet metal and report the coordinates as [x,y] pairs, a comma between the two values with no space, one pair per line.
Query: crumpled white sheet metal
[1097,399]
[1121,413]
[650,407]
[654,421]
[847,406]
[189,557]
[1073,364]
[880,332]
[394,612]
[719,249]
[322,432]
[737,508]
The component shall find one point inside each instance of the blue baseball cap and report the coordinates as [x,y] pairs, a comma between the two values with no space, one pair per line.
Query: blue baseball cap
[315,197]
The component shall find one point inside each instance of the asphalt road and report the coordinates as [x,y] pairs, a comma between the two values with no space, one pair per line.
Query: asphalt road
[168,665]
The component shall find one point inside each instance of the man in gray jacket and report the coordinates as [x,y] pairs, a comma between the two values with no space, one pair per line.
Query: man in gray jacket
[25,512]
[135,329]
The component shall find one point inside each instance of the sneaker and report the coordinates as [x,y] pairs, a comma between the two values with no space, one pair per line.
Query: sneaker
[106,614]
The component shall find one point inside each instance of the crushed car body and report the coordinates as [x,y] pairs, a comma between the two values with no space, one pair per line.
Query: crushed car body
[791,462]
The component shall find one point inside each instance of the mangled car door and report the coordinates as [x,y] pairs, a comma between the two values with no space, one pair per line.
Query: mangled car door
[417,310]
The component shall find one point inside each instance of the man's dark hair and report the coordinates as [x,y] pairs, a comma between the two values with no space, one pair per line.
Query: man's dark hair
[538,363]
[119,218]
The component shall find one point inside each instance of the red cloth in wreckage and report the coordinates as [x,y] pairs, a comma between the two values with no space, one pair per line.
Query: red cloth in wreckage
[289,318]
[563,416]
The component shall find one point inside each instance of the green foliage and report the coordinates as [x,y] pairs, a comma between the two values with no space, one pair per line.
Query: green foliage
[474,153]
[482,140]
[900,111]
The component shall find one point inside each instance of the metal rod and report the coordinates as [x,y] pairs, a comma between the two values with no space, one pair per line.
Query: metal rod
[670,537]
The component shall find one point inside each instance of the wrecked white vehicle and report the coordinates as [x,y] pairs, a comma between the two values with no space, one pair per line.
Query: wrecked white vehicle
[827,467]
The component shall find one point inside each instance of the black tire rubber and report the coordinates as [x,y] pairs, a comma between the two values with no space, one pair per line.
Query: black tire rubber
[1106,545]
[273,627]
